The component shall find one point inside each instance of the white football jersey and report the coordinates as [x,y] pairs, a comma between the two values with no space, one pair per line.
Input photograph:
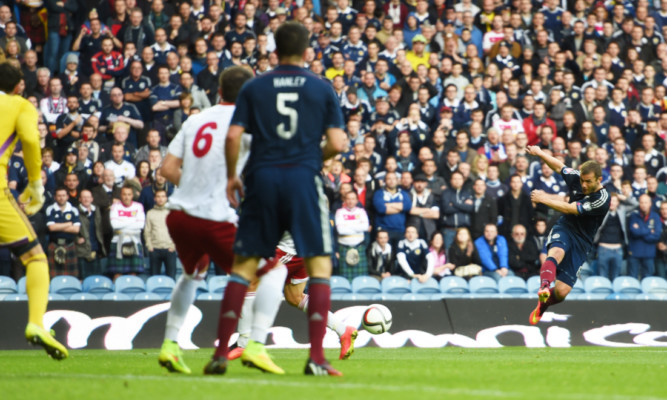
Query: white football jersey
[201,145]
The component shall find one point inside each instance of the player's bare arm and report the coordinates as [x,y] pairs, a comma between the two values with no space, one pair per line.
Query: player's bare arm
[232,148]
[171,168]
[553,163]
[335,143]
[554,202]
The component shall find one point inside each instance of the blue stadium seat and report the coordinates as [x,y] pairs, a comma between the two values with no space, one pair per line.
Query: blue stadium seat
[416,297]
[578,287]
[533,284]
[340,284]
[65,285]
[527,296]
[202,287]
[598,284]
[366,284]
[643,296]
[8,286]
[130,285]
[482,284]
[83,296]
[16,297]
[438,296]
[627,285]
[395,285]
[456,295]
[21,285]
[217,283]
[621,296]
[512,285]
[428,287]
[387,296]
[147,296]
[209,296]
[97,284]
[161,285]
[355,297]
[56,297]
[454,285]
[591,296]
[654,284]
[116,297]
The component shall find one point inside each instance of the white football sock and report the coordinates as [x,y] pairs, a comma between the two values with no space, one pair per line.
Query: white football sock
[245,322]
[182,298]
[267,302]
[333,322]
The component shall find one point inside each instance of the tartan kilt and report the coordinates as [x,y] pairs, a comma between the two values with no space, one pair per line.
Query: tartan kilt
[352,271]
[126,265]
[71,265]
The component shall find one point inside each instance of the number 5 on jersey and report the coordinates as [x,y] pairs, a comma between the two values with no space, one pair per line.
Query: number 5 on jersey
[203,139]
[290,112]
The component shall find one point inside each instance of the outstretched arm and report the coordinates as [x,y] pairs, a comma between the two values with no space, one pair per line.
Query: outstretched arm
[552,162]
[539,196]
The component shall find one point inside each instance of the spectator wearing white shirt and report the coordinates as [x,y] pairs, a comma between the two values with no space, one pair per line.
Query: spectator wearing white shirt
[351,226]
[127,221]
[121,168]
[54,105]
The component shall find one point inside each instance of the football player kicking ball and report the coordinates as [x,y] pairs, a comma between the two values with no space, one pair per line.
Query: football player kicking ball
[19,122]
[294,287]
[202,223]
[571,238]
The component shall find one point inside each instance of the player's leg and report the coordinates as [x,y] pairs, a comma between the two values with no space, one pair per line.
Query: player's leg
[244,326]
[17,233]
[265,307]
[549,268]
[347,334]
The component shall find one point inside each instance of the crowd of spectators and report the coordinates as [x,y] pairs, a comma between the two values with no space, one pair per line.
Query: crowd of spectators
[440,98]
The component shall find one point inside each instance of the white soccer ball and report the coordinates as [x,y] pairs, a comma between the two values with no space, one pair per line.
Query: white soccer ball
[377,319]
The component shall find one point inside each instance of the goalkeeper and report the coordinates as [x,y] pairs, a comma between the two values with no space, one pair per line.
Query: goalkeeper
[19,122]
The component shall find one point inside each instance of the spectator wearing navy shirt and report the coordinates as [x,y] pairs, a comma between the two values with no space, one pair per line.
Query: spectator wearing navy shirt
[164,101]
[120,111]
[137,90]
[88,105]
[413,257]
[644,230]
[391,207]
[240,31]
[161,47]
[62,221]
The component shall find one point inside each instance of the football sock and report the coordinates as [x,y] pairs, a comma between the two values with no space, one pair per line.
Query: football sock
[230,311]
[267,302]
[548,271]
[245,322]
[550,301]
[333,322]
[37,287]
[318,308]
[182,298]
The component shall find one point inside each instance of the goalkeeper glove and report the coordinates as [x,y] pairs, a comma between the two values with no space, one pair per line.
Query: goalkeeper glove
[32,197]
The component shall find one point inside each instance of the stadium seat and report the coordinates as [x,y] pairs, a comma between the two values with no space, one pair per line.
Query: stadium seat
[578,287]
[161,285]
[116,297]
[218,283]
[532,296]
[533,284]
[97,284]
[598,284]
[65,285]
[387,296]
[130,285]
[428,287]
[456,295]
[627,285]
[416,297]
[21,285]
[482,284]
[16,297]
[591,296]
[340,284]
[83,296]
[366,284]
[643,296]
[8,286]
[395,285]
[56,297]
[209,296]
[147,296]
[202,287]
[512,285]
[621,296]
[454,285]
[654,284]
[438,296]
[356,297]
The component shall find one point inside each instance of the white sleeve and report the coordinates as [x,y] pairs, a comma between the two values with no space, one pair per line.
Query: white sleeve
[403,262]
[430,264]
[44,107]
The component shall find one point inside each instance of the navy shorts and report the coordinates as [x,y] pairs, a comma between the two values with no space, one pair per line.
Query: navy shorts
[575,253]
[279,199]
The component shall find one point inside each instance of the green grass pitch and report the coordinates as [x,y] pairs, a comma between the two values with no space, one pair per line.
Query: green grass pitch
[582,373]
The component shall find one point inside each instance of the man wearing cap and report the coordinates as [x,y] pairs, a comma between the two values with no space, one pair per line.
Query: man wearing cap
[70,165]
[425,212]
[70,76]
[418,55]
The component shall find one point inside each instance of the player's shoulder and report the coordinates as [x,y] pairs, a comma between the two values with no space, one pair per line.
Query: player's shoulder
[216,113]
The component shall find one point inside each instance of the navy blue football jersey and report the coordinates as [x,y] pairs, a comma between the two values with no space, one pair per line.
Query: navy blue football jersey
[592,208]
[287,111]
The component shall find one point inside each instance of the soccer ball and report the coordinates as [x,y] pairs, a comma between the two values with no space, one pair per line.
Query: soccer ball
[377,319]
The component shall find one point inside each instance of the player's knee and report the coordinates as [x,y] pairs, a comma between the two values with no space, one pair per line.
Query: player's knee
[319,266]
[562,290]
[293,297]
